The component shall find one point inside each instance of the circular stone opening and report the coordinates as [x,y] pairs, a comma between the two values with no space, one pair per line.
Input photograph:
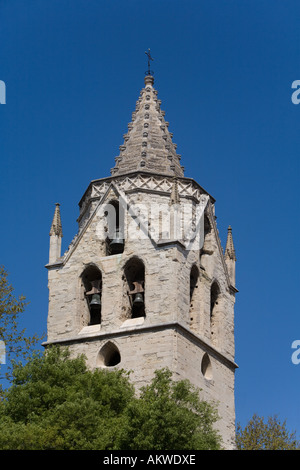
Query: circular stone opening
[109,355]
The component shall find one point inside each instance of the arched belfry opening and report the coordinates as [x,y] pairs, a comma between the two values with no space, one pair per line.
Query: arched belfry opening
[134,278]
[193,281]
[92,286]
[207,248]
[114,214]
[194,278]
[214,303]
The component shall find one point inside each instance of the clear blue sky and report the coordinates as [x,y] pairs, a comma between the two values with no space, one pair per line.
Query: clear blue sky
[223,70]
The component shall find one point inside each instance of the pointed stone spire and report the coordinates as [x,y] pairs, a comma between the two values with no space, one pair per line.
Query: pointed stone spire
[56,227]
[229,250]
[148,145]
[230,257]
[55,236]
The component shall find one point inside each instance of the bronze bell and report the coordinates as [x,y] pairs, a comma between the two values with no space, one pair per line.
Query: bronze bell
[117,243]
[138,299]
[95,301]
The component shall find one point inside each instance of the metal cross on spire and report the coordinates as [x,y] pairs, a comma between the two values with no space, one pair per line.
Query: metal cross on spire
[149,72]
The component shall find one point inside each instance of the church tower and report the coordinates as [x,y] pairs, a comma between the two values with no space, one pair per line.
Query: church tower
[145,283]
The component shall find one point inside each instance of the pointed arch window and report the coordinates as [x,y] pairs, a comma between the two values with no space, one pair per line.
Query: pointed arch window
[115,228]
[193,281]
[206,367]
[214,302]
[207,248]
[194,277]
[134,277]
[92,285]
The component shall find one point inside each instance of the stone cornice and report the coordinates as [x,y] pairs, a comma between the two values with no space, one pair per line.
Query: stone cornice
[143,182]
[147,174]
[177,326]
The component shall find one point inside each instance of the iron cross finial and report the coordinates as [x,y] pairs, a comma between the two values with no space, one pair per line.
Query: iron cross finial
[149,72]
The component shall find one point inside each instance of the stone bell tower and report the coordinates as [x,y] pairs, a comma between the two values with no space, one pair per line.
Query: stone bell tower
[145,283]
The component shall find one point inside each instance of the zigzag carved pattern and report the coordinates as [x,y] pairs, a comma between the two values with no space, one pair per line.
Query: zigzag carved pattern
[150,183]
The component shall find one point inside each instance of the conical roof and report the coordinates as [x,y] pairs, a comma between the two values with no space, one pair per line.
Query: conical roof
[229,250]
[56,227]
[148,145]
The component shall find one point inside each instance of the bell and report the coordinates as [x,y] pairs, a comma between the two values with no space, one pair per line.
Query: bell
[95,302]
[138,299]
[117,244]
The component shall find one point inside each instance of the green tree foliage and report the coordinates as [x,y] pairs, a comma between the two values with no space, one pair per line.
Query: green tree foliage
[18,346]
[169,415]
[56,402]
[269,435]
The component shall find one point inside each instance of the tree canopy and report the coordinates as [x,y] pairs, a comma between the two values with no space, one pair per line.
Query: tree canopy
[169,415]
[272,434]
[56,402]
[14,342]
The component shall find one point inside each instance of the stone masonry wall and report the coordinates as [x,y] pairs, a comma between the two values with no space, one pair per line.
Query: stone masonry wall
[173,333]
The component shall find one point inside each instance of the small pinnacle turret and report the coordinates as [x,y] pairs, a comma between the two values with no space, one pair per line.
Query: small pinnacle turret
[148,144]
[230,257]
[56,227]
[55,236]
[229,250]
